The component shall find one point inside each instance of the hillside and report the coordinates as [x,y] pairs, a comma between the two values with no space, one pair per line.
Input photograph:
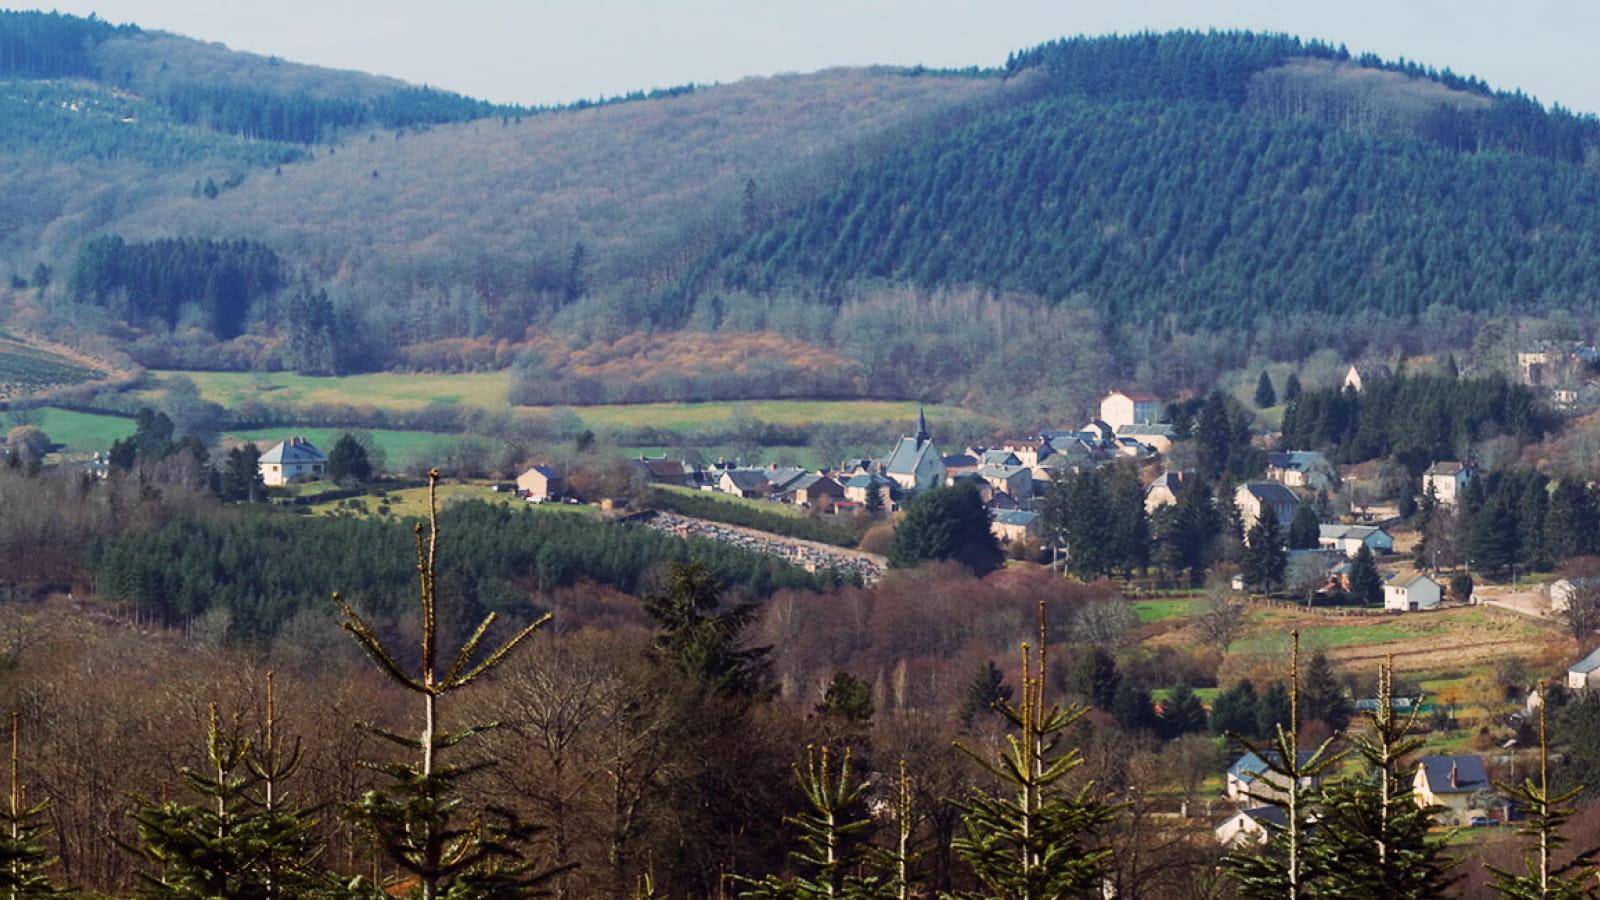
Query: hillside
[1090,208]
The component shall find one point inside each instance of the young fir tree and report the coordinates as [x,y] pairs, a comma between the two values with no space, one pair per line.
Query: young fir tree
[835,857]
[23,858]
[420,823]
[1264,562]
[231,844]
[1265,395]
[1544,878]
[1037,841]
[1371,838]
[1284,869]
[1366,584]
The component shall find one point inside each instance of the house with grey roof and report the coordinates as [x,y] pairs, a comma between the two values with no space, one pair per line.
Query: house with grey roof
[1251,826]
[1351,538]
[1253,496]
[1581,675]
[1302,469]
[541,483]
[1456,782]
[744,482]
[1409,593]
[1014,525]
[293,459]
[1251,777]
[1447,481]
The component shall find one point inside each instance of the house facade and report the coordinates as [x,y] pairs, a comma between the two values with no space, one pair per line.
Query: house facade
[1251,778]
[541,483]
[293,459]
[1585,673]
[1409,593]
[1302,469]
[1253,496]
[1447,481]
[1011,525]
[1120,408]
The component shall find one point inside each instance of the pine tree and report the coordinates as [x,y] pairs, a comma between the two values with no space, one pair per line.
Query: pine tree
[986,690]
[1366,585]
[1037,841]
[835,855]
[1182,714]
[1265,395]
[1305,531]
[231,844]
[1291,388]
[1264,561]
[348,462]
[24,860]
[1548,813]
[1285,869]
[1321,698]
[420,823]
[1372,838]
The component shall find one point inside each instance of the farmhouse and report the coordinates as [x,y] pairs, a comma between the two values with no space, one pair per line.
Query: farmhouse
[1408,593]
[540,483]
[293,459]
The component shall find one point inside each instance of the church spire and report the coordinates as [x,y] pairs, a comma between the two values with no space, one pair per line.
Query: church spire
[922,425]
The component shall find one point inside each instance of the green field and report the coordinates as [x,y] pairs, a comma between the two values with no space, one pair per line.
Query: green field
[1163,610]
[83,432]
[401,391]
[399,447]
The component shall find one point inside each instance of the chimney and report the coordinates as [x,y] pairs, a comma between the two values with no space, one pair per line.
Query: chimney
[1455,780]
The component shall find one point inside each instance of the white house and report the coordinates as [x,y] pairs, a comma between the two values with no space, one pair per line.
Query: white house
[1582,674]
[1251,778]
[1453,782]
[1408,593]
[1251,826]
[1351,538]
[293,459]
[1447,481]
[1120,408]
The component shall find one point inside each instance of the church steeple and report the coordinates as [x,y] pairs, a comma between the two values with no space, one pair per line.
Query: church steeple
[922,426]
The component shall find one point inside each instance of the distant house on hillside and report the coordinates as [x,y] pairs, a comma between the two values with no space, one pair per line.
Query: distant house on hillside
[1351,538]
[660,470]
[1164,490]
[1585,673]
[1362,374]
[293,459]
[1447,480]
[1120,408]
[1302,469]
[541,483]
[1251,826]
[1014,525]
[1253,496]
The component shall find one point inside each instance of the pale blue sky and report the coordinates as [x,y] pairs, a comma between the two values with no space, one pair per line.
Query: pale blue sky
[555,51]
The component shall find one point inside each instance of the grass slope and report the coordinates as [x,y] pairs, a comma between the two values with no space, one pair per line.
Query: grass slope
[28,369]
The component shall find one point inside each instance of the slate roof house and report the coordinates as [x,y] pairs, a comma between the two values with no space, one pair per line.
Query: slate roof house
[1409,593]
[293,459]
[1251,778]
[1254,495]
[540,483]
[1451,782]
[1350,538]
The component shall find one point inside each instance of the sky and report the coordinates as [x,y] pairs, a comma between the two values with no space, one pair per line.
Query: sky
[558,51]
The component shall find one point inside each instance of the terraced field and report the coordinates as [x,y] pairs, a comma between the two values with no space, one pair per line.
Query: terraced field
[28,369]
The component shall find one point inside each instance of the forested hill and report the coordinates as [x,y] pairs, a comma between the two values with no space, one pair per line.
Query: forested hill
[1083,207]
[187,82]
[1219,179]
